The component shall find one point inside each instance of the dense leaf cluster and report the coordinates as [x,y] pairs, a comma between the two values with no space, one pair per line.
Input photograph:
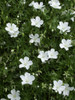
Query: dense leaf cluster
[12,49]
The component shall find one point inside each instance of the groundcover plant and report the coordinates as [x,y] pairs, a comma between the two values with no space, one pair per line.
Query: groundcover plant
[37,49]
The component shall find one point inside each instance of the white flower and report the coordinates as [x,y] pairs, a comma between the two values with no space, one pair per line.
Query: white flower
[72,12]
[2,99]
[24,1]
[37,22]
[37,5]
[15,34]
[52,54]
[32,3]
[27,78]
[34,39]
[63,27]
[15,95]
[64,12]
[12,29]
[8,5]
[55,4]
[65,44]
[43,56]
[67,89]
[72,18]
[58,86]
[25,63]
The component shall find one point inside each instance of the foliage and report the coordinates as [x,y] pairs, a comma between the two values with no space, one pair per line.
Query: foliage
[12,49]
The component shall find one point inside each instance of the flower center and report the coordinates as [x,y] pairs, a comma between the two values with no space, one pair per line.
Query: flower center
[11,29]
[65,45]
[27,80]
[25,64]
[35,39]
[37,23]
[14,96]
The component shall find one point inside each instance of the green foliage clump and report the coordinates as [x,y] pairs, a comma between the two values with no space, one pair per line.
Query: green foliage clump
[12,49]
